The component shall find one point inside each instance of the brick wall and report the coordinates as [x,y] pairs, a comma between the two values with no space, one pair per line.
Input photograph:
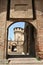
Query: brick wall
[38,24]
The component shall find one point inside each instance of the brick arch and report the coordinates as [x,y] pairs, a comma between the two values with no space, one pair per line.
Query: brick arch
[31,23]
[35,32]
[9,23]
[3,15]
[35,23]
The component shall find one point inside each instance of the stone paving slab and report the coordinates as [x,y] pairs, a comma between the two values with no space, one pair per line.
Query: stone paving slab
[21,61]
[21,64]
[26,63]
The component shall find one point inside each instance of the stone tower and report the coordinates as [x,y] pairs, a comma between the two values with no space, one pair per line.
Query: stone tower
[19,38]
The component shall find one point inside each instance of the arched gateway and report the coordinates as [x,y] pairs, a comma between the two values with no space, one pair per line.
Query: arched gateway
[30,11]
[30,41]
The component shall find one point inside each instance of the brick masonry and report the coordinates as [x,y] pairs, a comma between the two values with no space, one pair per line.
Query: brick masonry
[38,24]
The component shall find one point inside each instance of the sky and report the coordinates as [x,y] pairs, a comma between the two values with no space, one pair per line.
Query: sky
[11,32]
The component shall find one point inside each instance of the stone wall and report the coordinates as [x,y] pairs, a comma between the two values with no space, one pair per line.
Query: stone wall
[40,35]
[38,24]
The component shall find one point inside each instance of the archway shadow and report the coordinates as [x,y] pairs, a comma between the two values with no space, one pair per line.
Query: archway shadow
[20,56]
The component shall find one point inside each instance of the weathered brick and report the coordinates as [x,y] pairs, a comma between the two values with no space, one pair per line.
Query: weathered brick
[38,23]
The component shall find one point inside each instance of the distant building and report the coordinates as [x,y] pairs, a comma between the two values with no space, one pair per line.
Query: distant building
[17,44]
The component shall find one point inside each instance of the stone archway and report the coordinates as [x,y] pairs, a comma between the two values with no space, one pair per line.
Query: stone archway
[7,23]
[38,24]
[33,32]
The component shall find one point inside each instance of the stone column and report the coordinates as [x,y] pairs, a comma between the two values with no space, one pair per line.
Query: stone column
[2,40]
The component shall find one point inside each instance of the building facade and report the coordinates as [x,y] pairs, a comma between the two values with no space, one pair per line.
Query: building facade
[17,44]
[17,11]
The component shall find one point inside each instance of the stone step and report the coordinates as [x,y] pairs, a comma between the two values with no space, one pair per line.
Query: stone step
[22,59]
[26,64]
[25,61]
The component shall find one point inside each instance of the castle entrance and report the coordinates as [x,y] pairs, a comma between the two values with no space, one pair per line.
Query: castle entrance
[21,40]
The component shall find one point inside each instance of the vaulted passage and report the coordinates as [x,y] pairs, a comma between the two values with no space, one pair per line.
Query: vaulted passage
[29,40]
[23,44]
[32,42]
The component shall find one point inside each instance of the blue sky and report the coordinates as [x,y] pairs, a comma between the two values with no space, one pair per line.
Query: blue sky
[11,32]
